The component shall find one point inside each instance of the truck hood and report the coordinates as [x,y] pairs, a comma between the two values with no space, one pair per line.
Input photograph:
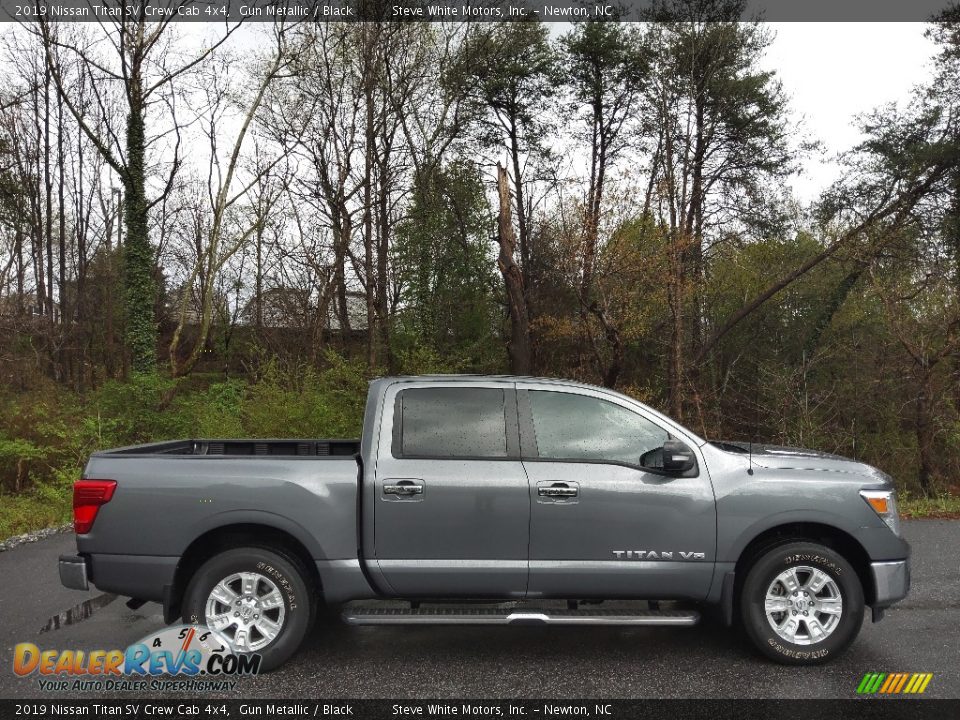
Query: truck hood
[778,457]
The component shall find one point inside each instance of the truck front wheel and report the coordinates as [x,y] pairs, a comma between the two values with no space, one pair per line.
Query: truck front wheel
[802,603]
[257,601]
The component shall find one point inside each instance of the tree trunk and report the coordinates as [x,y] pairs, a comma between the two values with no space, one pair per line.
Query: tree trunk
[924,431]
[21,268]
[519,346]
[111,305]
[522,228]
[675,300]
[65,319]
[345,228]
[258,287]
[383,256]
[48,196]
[692,270]
[36,207]
[139,285]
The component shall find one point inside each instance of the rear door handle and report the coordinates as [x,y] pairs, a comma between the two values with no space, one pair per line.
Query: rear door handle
[403,488]
[557,490]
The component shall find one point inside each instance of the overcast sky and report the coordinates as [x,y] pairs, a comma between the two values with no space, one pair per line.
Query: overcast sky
[835,71]
[831,71]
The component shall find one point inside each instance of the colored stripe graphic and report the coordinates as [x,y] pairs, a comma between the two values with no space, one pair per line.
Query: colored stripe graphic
[914,682]
[891,680]
[901,682]
[870,683]
[919,683]
[894,683]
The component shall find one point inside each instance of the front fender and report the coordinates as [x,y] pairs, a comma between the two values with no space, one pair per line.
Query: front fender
[733,540]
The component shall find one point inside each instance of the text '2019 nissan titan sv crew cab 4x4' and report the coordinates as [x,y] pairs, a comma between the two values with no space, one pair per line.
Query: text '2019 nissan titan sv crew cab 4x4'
[511,491]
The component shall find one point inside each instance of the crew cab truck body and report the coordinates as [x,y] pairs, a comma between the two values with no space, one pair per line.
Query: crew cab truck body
[475,488]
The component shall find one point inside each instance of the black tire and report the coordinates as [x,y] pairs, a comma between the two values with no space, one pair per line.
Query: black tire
[804,557]
[288,575]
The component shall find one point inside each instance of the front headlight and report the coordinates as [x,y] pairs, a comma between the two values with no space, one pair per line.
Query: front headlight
[884,503]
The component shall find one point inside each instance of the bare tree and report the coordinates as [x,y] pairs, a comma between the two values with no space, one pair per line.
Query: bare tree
[138,55]
[224,193]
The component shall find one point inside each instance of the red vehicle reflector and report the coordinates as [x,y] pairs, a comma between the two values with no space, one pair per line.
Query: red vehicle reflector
[88,496]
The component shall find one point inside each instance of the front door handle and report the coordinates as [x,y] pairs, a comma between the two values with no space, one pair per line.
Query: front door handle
[404,488]
[557,490]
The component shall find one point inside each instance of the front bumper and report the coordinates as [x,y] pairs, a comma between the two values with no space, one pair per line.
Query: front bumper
[891,582]
[74,572]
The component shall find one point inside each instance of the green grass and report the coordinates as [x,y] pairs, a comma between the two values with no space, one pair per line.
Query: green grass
[942,506]
[27,512]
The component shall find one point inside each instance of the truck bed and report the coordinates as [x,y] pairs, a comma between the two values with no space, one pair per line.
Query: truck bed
[171,496]
[283,447]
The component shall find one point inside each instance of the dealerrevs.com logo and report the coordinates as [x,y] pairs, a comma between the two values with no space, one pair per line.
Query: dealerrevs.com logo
[187,657]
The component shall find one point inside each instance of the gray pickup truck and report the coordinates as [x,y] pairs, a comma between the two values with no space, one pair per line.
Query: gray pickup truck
[491,500]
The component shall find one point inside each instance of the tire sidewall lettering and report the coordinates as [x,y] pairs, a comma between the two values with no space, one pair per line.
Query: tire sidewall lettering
[282,581]
[797,654]
[801,558]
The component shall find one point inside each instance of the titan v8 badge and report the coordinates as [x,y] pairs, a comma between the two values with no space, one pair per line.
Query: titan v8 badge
[655,555]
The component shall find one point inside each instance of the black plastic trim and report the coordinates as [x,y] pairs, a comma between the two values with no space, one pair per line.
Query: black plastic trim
[726,598]
[528,436]
[361,558]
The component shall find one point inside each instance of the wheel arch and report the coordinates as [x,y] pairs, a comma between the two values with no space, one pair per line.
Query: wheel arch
[830,536]
[226,537]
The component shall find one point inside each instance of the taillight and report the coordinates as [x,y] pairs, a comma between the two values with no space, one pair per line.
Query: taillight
[88,496]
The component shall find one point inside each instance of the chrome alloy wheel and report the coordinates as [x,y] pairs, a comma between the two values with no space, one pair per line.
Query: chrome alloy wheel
[803,605]
[247,610]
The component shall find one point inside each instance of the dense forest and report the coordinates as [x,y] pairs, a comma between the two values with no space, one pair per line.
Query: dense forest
[226,230]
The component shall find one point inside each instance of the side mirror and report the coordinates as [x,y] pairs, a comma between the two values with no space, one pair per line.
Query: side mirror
[677,457]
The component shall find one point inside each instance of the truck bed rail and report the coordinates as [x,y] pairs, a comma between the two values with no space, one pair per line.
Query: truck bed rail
[283,447]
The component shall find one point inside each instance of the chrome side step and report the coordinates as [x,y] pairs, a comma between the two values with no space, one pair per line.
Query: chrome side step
[514,616]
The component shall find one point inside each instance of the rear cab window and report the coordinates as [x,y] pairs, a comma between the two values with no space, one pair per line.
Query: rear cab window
[450,423]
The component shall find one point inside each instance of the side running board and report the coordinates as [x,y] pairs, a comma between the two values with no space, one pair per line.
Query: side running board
[514,616]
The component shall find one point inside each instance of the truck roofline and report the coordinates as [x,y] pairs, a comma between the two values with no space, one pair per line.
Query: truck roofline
[560,382]
[478,377]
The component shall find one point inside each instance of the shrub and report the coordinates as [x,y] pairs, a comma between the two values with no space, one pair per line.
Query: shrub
[19,459]
[218,412]
[138,411]
[303,402]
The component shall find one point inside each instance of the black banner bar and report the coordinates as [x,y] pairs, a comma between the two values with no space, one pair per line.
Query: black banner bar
[219,709]
[448,10]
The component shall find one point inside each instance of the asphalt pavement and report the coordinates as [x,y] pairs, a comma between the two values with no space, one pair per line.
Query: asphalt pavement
[922,634]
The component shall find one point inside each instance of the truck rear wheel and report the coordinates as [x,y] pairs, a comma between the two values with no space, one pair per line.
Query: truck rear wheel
[257,600]
[802,603]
